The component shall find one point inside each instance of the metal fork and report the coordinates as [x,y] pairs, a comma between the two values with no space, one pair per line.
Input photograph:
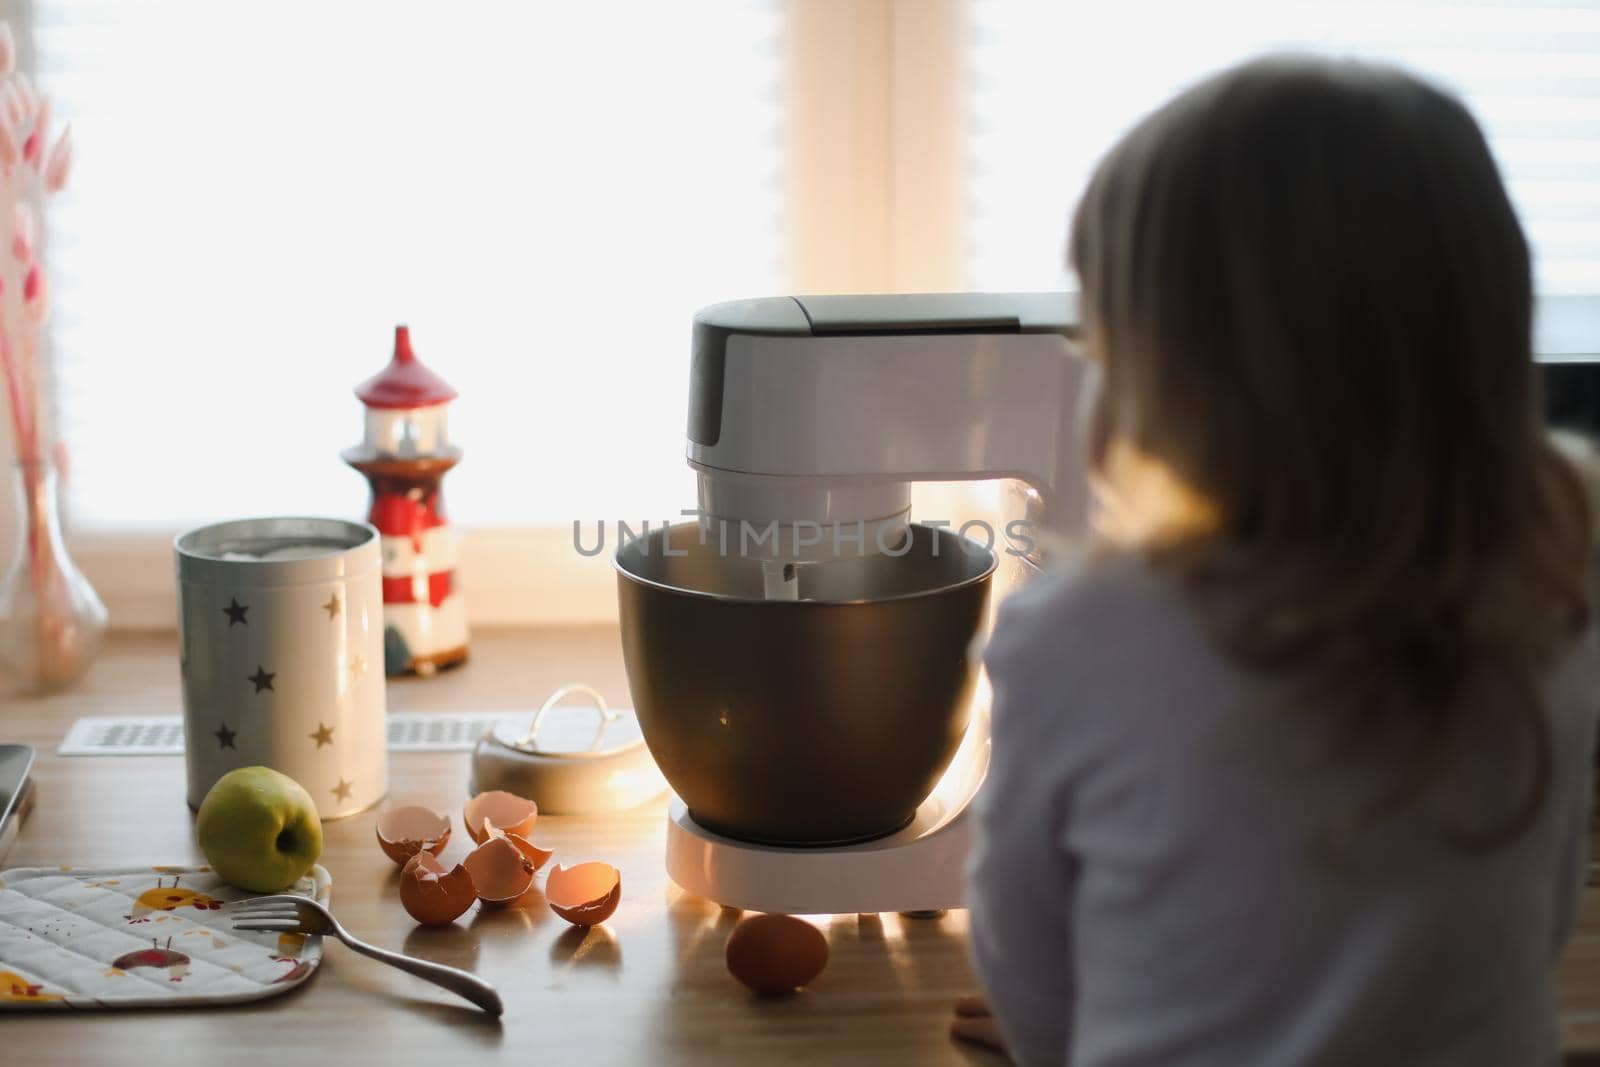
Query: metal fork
[289,914]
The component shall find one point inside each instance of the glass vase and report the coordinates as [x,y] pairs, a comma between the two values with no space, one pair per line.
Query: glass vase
[51,620]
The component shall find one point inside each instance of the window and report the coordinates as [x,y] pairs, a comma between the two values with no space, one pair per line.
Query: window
[1053,86]
[547,192]
[544,192]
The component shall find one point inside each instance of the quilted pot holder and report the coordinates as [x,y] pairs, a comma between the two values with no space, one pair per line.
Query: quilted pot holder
[146,937]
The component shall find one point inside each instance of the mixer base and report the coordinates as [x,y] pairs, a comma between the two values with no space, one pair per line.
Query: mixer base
[717,831]
[920,868]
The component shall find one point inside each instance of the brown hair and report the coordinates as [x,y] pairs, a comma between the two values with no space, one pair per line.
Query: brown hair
[1313,300]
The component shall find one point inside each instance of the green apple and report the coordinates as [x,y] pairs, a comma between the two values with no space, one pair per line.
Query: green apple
[259,829]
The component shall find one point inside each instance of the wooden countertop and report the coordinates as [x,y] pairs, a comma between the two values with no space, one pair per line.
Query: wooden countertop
[647,987]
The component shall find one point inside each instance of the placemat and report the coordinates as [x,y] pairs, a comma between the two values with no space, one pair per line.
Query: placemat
[144,937]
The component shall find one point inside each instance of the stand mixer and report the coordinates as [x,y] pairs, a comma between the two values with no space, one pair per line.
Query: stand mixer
[804,658]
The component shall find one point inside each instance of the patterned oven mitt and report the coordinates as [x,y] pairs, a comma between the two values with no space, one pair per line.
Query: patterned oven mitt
[144,937]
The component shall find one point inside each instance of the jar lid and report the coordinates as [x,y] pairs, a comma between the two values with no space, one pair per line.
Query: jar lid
[277,550]
[569,760]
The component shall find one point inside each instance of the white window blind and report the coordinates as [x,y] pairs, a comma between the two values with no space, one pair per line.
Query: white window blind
[1054,85]
[544,192]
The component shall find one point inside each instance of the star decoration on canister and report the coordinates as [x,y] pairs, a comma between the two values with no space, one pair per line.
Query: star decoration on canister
[342,790]
[332,606]
[235,612]
[224,736]
[262,679]
[323,734]
[404,455]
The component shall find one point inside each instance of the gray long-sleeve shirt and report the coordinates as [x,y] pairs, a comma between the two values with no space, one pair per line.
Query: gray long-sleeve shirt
[1149,888]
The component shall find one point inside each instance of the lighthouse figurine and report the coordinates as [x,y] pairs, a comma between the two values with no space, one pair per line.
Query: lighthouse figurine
[404,456]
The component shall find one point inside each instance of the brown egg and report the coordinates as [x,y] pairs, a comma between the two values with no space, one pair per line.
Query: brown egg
[502,810]
[404,832]
[584,895]
[499,870]
[776,953]
[432,896]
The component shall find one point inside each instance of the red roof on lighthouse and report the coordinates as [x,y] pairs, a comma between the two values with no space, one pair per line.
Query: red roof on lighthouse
[405,382]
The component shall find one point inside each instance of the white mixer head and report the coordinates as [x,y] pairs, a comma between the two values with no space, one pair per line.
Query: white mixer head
[810,417]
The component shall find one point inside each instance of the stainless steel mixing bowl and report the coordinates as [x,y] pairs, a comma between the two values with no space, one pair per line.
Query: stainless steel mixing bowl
[819,721]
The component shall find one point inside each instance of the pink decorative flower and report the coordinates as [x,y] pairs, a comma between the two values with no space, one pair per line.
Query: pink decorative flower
[22,221]
[25,138]
[30,100]
[59,163]
[10,152]
[33,147]
[11,106]
[36,295]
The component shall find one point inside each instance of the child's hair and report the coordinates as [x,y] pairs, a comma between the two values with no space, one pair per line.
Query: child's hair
[1314,304]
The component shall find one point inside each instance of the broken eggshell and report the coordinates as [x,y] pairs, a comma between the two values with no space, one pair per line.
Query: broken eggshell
[530,851]
[404,832]
[584,895]
[502,810]
[774,954]
[433,896]
[500,870]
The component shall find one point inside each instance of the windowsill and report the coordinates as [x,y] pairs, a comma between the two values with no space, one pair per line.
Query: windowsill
[527,577]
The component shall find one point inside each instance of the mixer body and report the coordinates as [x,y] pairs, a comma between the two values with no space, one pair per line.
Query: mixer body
[803,662]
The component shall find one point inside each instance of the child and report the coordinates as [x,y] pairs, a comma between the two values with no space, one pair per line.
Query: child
[1299,771]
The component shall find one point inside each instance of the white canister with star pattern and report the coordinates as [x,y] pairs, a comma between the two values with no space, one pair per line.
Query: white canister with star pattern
[281,643]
